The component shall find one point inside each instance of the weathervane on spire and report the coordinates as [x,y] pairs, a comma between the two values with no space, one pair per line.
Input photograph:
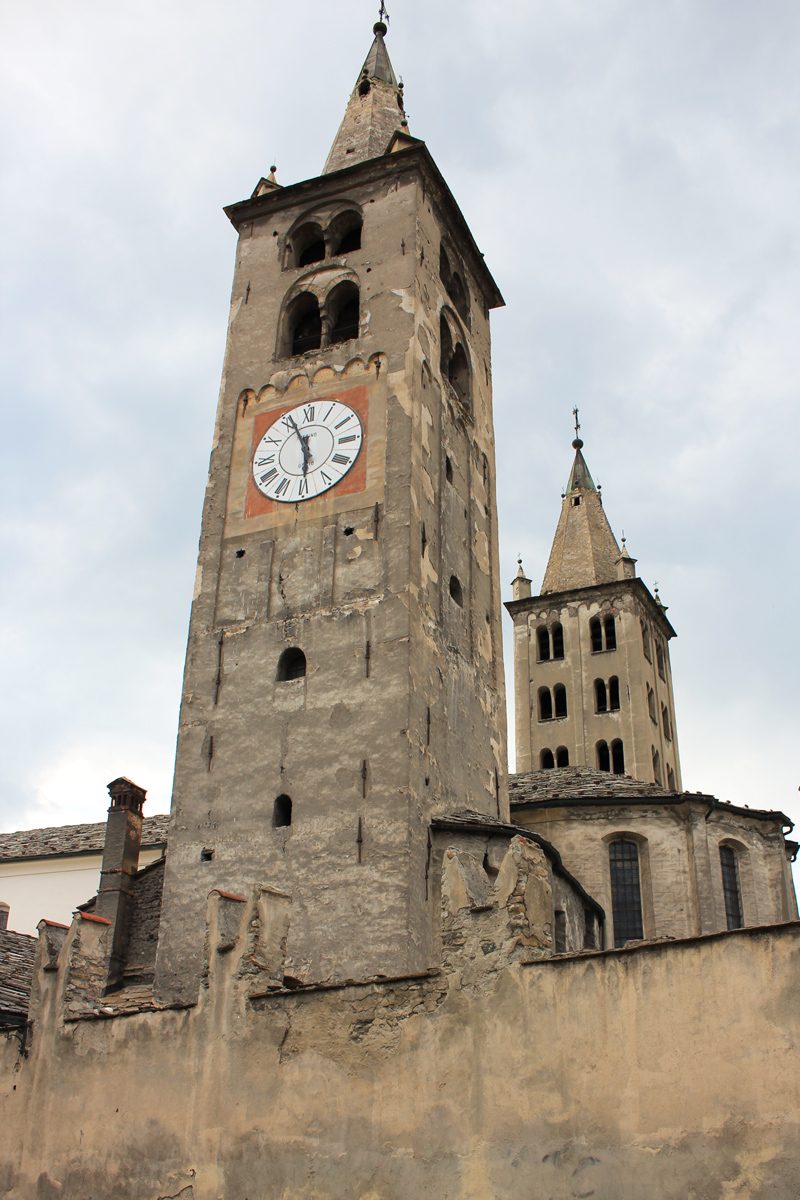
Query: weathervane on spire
[383,14]
[577,443]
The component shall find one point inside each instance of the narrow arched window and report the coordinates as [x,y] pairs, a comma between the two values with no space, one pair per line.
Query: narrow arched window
[546,760]
[613,694]
[656,766]
[610,630]
[345,233]
[603,756]
[456,591]
[291,664]
[730,887]
[342,308]
[304,324]
[545,705]
[646,642]
[543,643]
[458,294]
[617,757]
[596,635]
[665,721]
[557,634]
[626,891]
[670,779]
[651,704]
[445,345]
[600,696]
[562,756]
[308,244]
[660,660]
[560,697]
[458,374]
[444,267]
[281,812]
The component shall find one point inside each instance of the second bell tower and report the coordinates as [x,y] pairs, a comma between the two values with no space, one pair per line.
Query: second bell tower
[343,679]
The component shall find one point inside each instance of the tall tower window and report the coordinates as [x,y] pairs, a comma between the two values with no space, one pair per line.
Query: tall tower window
[651,704]
[613,694]
[560,697]
[656,766]
[562,756]
[610,630]
[291,664]
[730,887]
[617,757]
[342,309]
[626,892]
[304,325]
[665,721]
[453,363]
[546,760]
[600,696]
[670,778]
[545,705]
[308,245]
[646,642]
[345,233]
[596,635]
[557,634]
[543,643]
[660,659]
[603,756]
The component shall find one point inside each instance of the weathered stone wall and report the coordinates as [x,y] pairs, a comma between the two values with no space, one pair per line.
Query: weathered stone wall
[681,878]
[659,1073]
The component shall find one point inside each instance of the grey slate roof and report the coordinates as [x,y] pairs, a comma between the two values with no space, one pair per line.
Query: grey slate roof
[17,953]
[585,785]
[73,839]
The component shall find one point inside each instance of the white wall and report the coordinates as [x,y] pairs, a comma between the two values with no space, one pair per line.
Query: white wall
[52,887]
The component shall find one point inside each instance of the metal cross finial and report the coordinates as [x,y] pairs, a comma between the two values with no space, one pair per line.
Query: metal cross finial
[577,422]
[383,14]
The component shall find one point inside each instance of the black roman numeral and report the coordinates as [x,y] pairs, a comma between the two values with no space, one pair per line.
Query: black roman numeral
[351,437]
[326,477]
[341,459]
[282,486]
[269,475]
[302,489]
[328,413]
[263,462]
[308,413]
[343,421]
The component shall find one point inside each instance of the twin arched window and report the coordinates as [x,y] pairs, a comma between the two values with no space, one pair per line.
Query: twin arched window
[552,703]
[550,642]
[606,695]
[307,326]
[603,634]
[548,760]
[453,362]
[611,758]
[311,243]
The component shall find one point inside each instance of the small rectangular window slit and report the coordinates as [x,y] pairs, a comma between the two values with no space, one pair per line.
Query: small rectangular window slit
[360,839]
[367,658]
[364,777]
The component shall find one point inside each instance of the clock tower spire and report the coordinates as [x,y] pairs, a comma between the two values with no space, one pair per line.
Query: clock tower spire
[343,682]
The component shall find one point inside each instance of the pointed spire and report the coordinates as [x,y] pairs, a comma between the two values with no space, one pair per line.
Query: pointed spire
[374,111]
[585,551]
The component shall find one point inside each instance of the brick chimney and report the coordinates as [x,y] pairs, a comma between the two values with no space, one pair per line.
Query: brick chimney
[120,863]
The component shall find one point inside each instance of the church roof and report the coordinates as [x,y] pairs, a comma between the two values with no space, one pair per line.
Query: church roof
[584,551]
[58,840]
[571,786]
[374,111]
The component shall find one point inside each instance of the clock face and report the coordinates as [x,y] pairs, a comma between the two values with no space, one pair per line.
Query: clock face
[306,451]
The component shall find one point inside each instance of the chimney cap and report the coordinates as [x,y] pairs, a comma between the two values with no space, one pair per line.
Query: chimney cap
[125,793]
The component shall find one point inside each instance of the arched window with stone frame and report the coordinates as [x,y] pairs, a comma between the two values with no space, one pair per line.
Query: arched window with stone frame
[560,700]
[731,885]
[626,890]
[302,326]
[617,757]
[603,756]
[557,637]
[546,760]
[600,696]
[545,704]
[543,643]
[562,756]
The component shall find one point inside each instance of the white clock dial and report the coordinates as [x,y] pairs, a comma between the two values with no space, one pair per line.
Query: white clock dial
[306,451]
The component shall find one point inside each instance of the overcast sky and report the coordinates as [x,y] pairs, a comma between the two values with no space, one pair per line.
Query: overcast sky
[630,169]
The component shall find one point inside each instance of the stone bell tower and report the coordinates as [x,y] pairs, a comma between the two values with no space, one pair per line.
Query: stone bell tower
[343,679]
[592,676]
